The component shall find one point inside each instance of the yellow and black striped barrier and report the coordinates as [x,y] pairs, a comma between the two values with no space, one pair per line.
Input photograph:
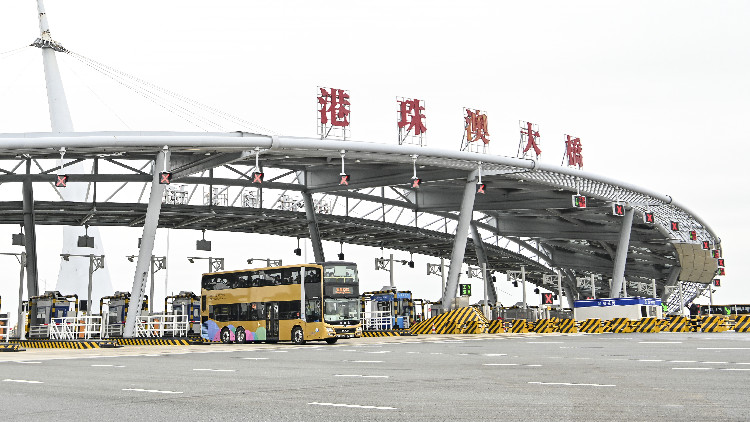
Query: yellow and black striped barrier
[496,326]
[53,344]
[566,326]
[11,348]
[519,326]
[620,325]
[153,341]
[742,324]
[446,323]
[543,326]
[591,326]
[647,325]
[714,324]
[677,324]
[386,333]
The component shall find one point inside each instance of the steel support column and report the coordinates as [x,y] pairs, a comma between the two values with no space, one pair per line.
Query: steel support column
[147,245]
[29,229]
[312,225]
[459,241]
[618,272]
[476,238]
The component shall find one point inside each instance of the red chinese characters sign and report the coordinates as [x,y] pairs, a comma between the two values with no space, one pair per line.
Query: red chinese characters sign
[475,123]
[530,131]
[411,119]
[333,111]
[573,150]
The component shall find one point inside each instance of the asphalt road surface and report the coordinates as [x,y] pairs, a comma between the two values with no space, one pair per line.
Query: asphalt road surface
[665,376]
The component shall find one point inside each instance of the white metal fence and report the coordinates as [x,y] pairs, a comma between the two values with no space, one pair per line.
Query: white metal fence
[377,320]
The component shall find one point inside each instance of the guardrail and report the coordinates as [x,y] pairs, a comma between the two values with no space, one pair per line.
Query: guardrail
[377,320]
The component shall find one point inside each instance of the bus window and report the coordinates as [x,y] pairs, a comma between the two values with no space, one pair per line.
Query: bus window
[341,274]
[312,310]
[242,281]
[290,276]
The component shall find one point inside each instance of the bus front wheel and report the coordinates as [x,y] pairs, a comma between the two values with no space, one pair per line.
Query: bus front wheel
[331,340]
[226,335]
[298,337]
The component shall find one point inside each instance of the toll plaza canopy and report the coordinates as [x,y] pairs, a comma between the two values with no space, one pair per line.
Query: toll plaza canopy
[524,216]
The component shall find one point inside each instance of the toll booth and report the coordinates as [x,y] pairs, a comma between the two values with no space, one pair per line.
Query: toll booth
[50,308]
[188,304]
[387,309]
[633,308]
[117,311]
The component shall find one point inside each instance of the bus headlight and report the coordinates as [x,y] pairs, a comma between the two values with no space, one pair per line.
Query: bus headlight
[331,331]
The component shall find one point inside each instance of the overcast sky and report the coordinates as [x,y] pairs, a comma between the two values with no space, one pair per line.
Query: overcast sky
[657,91]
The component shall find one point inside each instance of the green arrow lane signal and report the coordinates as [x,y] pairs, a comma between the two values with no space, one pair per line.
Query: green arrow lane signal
[664,307]
[726,309]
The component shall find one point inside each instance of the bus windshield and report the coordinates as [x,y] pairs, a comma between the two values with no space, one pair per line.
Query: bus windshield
[340,274]
[341,309]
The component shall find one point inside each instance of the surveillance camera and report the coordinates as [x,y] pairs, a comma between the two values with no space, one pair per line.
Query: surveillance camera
[191,260]
[297,252]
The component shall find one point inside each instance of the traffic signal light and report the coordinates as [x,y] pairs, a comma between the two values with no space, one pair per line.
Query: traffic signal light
[706,245]
[717,282]
[165,178]
[515,283]
[579,201]
[721,262]
[257,177]
[61,180]
[546,298]
[648,217]
[344,179]
[715,253]
[675,226]
[415,183]
[536,290]
[722,271]
[481,187]
[693,235]
[618,209]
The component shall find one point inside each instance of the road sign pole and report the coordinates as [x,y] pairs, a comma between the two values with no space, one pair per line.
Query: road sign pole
[593,287]
[484,277]
[559,288]
[653,286]
[391,271]
[523,280]
[682,299]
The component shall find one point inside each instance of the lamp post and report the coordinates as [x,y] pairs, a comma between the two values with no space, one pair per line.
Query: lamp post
[380,264]
[157,263]
[214,264]
[21,257]
[269,262]
[438,269]
[95,262]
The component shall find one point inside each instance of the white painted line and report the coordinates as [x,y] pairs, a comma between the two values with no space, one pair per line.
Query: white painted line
[500,364]
[743,363]
[279,351]
[682,361]
[735,369]
[28,361]
[214,370]
[695,369]
[102,365]
[380,351]
[650,360]
[463,354]
[24,381]
[348,350]
[720,363]
[533,365]
[152,391]
[366,361]
[571,384]
[353,405]
[660,342]
[436,353]
[545,342]
[363,376]
[255,358]
[723,348]
[495,354]
[411,353]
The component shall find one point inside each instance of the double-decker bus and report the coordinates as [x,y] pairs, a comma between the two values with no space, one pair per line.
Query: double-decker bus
[294,302]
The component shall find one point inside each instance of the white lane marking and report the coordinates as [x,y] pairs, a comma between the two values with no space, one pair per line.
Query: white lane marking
[650,360]
[495,354]
[214,370]
[682,361]
[28,361]
[353,405]
[743,363]
[735,369]
[366,361]
[571,384]
[660,342]
[24,381]
[545,342]
[721,363]
[500,364]
[380,351]
[413,353]
[362,376]
[279,351]
[348,350]
[111,366]
[723,348]
[463,354]
[694,369]
[532,365]
[255,358]
[152,391]
[436,353]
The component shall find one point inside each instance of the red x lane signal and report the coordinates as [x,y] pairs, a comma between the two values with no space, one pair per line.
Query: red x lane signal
[481,187]
[717,282]
[675,226]
[61,180]
[257,177]
[546,298]
[579,201]
[720,262]
[415,183]
[648,217]
[165,178]
[618,209]
[706,245]
[344,179]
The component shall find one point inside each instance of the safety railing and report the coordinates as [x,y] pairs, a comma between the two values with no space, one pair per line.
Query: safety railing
[377,320]
[163,326]
[4,330]
[84,327]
